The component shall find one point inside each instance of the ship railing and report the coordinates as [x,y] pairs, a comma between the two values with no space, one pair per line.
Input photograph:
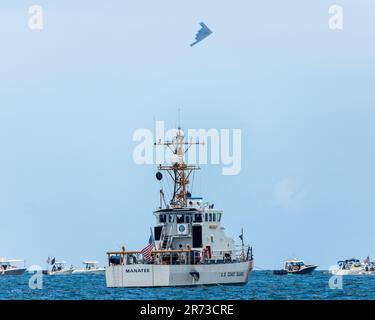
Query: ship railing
[173,256]
[181,256]
[125,257]
[246,253]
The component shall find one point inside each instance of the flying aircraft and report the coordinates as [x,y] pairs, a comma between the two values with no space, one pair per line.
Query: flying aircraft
[202,34]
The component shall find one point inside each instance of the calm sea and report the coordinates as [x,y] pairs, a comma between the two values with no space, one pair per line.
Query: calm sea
[262,285]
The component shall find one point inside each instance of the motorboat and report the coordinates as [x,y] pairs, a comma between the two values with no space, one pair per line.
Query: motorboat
[8,267]
[354,267]
[348,267]
[299,267]
[59,268]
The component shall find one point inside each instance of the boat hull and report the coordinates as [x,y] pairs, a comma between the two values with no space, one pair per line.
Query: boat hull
[280,272]
[61,272]
[83,271]
[305,270]
[148,275]
[13,272]
[359,272]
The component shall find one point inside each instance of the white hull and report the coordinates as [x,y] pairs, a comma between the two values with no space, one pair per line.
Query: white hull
[353,273]
[13,272]
[154,275]
[93,271]
[367,273]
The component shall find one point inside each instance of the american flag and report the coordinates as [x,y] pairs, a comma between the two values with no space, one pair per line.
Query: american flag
[48,260]
[146,251]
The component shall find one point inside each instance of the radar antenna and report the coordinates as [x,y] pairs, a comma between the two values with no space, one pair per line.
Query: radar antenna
[179,171]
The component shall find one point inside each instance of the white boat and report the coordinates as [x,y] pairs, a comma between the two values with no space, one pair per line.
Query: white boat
[90,267]
[296,266]
[189,246]
[348,267]
[354,267]
[59,268]
[7,267]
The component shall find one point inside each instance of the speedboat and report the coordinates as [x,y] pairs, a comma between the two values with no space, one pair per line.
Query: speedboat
[299,267]
[59,268]
[90,267]
[354,267]
[8,269]
[348,267]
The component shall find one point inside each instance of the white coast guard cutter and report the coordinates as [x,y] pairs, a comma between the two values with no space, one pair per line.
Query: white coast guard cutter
[190,247]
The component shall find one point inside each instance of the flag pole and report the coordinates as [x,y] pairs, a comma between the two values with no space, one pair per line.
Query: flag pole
[243,245]
[153,239]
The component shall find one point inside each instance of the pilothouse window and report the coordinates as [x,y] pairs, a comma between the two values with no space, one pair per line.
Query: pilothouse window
[162,218]
[198,217]
[180,218]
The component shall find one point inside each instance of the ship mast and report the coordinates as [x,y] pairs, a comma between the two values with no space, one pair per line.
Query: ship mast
[179,171]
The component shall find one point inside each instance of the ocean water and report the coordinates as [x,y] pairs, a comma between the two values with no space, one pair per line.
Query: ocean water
[263,285]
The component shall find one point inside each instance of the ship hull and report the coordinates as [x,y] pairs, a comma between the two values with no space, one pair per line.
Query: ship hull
[146,275]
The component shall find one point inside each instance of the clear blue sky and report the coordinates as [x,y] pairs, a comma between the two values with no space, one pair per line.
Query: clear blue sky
[72,95]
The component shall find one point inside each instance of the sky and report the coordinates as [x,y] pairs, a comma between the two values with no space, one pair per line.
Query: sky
[73,94]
